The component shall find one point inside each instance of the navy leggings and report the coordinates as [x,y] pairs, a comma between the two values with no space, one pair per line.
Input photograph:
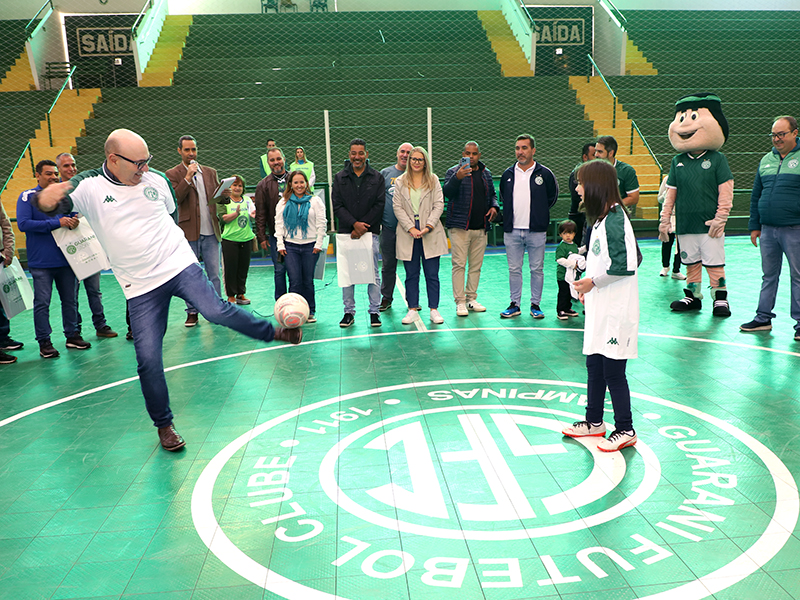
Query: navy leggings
[608,373]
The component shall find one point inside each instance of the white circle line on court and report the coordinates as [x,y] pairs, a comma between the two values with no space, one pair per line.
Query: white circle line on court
[35,409]
[778,531]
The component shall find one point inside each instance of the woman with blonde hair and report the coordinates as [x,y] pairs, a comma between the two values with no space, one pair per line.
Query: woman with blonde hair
[418,205]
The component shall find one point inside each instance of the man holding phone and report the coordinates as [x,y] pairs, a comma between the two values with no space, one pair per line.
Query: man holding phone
[471,207]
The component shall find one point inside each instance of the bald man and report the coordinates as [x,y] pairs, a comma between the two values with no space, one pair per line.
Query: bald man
[129,207]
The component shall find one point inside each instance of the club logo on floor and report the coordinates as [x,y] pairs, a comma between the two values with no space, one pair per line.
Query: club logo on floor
[460,486]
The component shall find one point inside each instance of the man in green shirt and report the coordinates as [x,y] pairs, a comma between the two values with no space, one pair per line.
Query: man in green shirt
[606,148]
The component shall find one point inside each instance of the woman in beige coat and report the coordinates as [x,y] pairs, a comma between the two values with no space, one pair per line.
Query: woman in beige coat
[418,204]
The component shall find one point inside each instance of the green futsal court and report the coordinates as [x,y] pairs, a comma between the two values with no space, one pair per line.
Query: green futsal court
[408,462]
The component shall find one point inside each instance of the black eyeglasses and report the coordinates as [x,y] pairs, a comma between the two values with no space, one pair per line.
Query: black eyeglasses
[417,160]
[140,164]
[780,134]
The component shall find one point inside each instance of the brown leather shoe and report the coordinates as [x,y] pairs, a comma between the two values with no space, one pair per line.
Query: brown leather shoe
[240,299]
[191,319]
[170,439]
[293,336]
[232,299]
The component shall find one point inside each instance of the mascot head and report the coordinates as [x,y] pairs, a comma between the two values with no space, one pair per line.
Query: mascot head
[699,124]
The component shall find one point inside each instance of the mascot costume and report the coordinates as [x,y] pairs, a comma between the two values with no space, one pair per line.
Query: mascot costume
[700,191]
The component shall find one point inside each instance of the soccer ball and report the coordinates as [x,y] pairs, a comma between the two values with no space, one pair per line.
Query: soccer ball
[291,310]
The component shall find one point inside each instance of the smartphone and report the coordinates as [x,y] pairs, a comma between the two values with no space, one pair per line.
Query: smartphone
[464,162]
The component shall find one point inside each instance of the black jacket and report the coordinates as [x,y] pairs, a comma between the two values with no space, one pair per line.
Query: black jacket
[351,204]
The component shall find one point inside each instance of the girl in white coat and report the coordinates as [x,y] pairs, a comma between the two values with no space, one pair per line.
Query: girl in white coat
[609,290]
[418,204]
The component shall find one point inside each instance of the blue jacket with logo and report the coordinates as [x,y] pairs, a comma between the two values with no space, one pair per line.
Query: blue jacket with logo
[544,193]
[776,191]
[459,197]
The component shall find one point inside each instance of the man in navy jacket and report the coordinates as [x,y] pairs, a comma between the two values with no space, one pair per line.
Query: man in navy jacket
[47,265]
[471,207]
[528,190]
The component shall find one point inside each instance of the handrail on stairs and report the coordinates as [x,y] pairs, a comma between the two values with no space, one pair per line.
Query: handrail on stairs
[19,160]
[634,126]
[66,81]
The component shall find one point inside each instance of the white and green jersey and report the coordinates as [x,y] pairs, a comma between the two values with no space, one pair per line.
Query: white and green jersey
[697,180]
[133,224]
[612,311]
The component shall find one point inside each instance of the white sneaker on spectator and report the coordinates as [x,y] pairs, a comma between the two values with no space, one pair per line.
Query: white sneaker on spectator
[436,317]
[678,275]
[476,306]
[410,317]
[664,272]
[461,309]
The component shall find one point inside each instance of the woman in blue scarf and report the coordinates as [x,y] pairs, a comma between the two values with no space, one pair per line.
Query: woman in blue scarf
[300,226]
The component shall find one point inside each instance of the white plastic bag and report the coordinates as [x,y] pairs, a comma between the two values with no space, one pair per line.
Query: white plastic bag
[82,249]
[354,260]
[16,294]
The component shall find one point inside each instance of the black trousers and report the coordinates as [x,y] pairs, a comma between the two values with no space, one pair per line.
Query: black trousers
[666,253]
[236,256]
[564,296]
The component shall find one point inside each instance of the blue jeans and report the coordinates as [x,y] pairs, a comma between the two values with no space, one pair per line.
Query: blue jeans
[206,248]
[431,268]
[605,372]
[92,286]
[373,289]
[388,261]
[149,324]
[516,243]
[66,284]
[775,242]
[280,267]
[300,264]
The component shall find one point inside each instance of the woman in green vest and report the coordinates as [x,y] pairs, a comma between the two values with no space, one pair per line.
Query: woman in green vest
[237,241]
[301,163]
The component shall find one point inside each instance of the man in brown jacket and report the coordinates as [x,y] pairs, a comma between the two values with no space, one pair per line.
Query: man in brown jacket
[268,194]
[6,256]
[194,186]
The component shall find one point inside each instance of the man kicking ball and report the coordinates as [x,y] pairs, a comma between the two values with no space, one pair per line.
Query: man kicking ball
[129,206]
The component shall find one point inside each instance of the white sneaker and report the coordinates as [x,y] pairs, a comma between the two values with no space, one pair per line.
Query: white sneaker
[461,309]
[410,317]
[664,272]
[583,429]
[617,441]
[436,317]
[678,275]
[476,306]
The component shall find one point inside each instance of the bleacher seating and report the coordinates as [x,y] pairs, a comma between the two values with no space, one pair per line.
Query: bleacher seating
[12,34]
[376,73]
[730,53]
[20,114]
